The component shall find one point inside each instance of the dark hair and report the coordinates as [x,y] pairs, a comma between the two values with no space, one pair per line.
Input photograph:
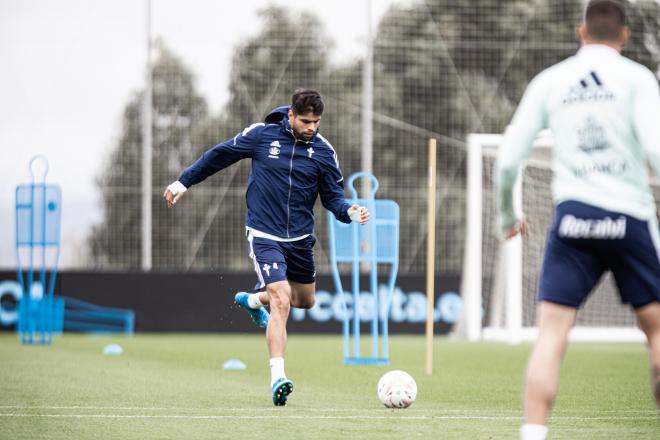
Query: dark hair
[605,19]
[305,101]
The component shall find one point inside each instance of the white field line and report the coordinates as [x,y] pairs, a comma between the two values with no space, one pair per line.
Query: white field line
[441,412]
[300,417]
[252,417]
[280,415]
[444,411]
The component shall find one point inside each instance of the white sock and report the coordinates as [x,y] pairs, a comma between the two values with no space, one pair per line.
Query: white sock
[253,301]
[533,432]
[276,369]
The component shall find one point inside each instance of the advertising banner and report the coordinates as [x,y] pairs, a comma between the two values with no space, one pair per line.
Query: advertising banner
[203,302]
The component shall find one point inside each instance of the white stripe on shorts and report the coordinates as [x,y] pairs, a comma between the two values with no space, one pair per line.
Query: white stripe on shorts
[254,260]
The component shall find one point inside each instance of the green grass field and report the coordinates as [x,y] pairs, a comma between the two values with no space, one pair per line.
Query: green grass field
[173,386]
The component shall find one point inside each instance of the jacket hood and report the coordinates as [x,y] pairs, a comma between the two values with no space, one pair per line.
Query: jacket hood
[276,115]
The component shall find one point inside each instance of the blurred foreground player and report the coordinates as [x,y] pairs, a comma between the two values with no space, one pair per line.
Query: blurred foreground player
[604,113]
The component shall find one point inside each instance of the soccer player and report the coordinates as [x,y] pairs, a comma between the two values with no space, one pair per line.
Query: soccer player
[604,114]
[292,164]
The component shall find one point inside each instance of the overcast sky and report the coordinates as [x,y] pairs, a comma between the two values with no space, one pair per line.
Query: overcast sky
[68,68]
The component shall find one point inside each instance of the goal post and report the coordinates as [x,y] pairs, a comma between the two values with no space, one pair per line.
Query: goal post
[500,278]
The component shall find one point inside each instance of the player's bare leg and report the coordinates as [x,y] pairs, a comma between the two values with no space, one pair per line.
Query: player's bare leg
[302,295]
[542,376]
[649,321]
[279,295]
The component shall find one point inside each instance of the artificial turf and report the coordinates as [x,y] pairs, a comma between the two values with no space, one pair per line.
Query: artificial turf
[171,386]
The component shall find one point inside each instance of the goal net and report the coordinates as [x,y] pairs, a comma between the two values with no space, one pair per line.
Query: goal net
[500,279]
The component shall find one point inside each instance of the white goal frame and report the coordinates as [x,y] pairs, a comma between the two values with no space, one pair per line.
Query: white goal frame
[511,285]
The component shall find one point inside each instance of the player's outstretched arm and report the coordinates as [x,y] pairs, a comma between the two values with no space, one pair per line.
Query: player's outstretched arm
[331,187]
[359,213]
[211,161]
[173,193]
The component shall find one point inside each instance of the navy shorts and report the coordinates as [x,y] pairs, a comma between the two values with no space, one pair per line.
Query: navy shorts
[585,241]
[282,260]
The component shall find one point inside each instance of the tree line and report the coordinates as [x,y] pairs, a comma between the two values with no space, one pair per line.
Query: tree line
[441,69]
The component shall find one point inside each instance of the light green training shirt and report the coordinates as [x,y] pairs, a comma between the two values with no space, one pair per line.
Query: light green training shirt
[604,114]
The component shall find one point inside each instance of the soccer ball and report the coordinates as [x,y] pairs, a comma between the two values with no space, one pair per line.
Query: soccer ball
[397,389]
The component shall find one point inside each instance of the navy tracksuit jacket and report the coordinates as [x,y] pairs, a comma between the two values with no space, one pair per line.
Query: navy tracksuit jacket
[287,176]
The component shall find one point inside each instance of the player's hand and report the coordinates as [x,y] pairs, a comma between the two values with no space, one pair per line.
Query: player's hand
[173,193]
[519,228]
[359,213]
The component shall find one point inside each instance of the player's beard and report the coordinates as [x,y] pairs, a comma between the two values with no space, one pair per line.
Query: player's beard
[304,136]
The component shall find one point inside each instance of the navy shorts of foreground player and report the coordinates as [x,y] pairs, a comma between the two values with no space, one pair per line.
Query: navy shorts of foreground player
[282,260]
[585,241]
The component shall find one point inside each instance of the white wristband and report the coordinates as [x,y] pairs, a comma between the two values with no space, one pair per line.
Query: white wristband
[176,188]
[355,214]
